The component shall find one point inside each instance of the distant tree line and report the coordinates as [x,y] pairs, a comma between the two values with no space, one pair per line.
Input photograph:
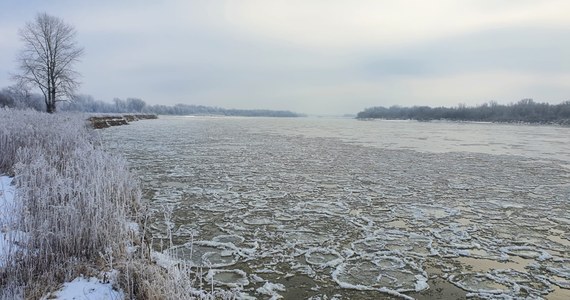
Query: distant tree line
[16,97]
[19,98]
[86,103]
[185,109]
[525,110]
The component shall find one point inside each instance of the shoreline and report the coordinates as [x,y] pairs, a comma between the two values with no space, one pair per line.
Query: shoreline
[562,123]
[100,121]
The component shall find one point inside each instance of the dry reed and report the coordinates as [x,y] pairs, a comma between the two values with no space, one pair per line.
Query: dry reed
[74,202]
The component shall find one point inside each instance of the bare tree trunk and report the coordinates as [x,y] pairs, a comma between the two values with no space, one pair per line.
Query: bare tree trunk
[51,107]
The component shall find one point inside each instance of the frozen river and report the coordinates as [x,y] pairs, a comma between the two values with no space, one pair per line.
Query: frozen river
[347,209]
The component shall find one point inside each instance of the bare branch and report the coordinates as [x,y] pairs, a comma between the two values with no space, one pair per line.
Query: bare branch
[47,58]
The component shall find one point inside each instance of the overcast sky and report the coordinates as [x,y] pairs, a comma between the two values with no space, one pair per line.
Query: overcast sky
[316,57]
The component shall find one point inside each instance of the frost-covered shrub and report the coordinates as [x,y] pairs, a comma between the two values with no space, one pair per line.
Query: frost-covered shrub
[74,198]
[74,201]
[55,135]
[154,282]
[75,204]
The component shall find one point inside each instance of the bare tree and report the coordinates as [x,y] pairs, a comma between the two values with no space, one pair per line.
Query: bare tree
[47,59]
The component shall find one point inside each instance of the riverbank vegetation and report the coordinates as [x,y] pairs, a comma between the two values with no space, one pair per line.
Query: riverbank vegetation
[526,111]
[73,200]
[15,97]
[76,212]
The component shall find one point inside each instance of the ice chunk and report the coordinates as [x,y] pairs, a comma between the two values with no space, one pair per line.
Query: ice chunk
[479,283]
[561,269]
[271,289]
[230,278]
[526,252]
[323,257]
[305,238]
[218,259]
[204,254]
[421,283]
[389,273]
[233,239]
[528,284]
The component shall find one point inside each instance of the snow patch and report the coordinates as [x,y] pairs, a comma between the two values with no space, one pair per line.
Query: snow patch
[87,288]
[10,238]
[271,289]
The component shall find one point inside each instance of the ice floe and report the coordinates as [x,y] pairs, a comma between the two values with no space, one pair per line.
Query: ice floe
[272,290]
[342,215]
[230,278]
[323,257]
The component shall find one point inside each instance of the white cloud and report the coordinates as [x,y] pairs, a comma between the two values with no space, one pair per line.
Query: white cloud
[366,23]
[326,56]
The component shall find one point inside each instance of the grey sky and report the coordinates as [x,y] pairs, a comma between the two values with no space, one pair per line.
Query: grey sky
[326,56]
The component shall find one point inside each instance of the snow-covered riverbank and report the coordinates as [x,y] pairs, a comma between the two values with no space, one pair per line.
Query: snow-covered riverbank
[80,287]
[64,211]
[6,216]
[67,207]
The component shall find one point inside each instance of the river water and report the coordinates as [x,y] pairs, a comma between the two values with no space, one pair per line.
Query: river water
[325,208]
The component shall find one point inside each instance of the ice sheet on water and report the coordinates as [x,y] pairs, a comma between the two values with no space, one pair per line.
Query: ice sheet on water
[527,252]
[560,219]
[302,268]
[560,268]
[325,297]
[205,254]
[255,278]
[285,217]
[431,212]
[320,206]
[218,259]
[369,245]
[257,221]
[507,204]
[503,284]
[525,284]
[382,242]
[213,207]
[480,283]
[285,196]
[259,217]
[357,274]
[322,257]
[230,278]
[389,273]
[306,238]
[451,234]
[272,289]
[258,203]
[230,238]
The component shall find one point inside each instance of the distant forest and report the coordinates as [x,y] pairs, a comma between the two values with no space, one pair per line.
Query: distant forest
[16,98]
[525,110]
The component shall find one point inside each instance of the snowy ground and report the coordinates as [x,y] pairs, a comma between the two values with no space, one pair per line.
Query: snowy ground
[299,217]
[78,289]
[86,288]
[7,208]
